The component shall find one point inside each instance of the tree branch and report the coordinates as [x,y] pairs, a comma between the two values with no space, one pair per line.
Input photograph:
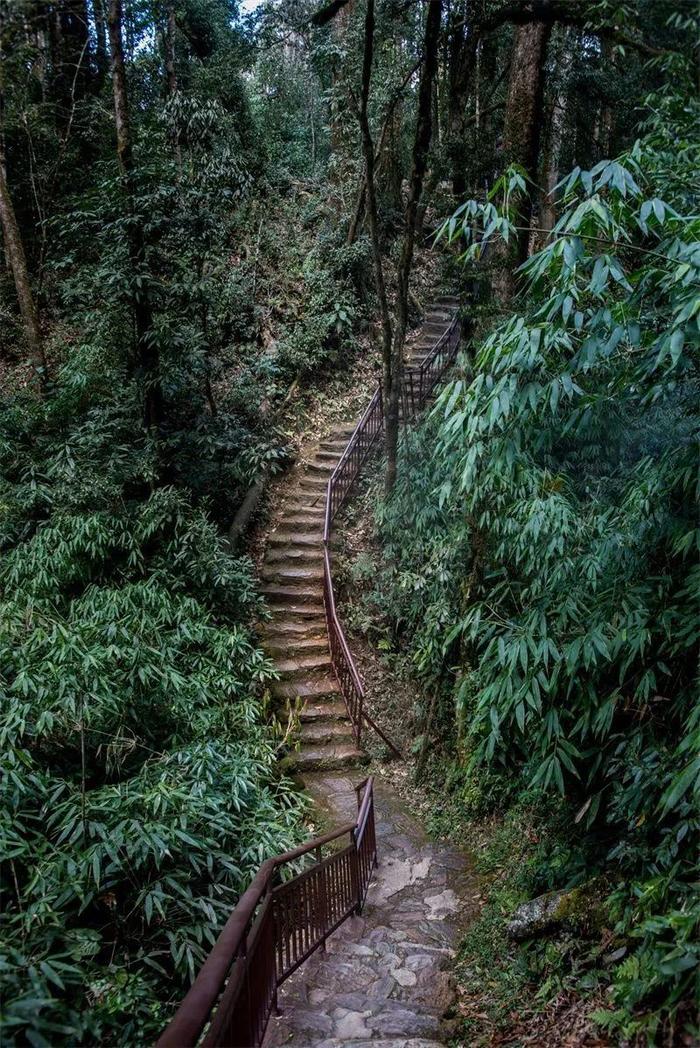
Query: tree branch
[328,12]
[566,13]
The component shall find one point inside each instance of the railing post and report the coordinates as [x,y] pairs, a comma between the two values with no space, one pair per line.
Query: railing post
[322,900]
[355,867]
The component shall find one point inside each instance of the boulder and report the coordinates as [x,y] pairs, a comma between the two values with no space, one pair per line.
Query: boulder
[549,911]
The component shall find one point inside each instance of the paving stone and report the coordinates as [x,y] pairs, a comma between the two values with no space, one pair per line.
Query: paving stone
[353,1025]
[404,976]
[442,904]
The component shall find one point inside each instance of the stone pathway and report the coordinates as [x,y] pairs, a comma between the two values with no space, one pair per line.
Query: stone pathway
[385,976]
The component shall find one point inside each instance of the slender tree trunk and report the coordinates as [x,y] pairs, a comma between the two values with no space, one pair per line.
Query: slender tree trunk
[98,12]
[17,260]
[371,193]
[359,212]
[461,56]
[379,155]
[70,58]
[169,52]
[547,217]
[146,347]
[171,84]
[606,123]
[421,146]
[521,139]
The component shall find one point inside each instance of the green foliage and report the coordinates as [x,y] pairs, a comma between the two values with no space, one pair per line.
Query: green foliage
[139,789]
[562,500]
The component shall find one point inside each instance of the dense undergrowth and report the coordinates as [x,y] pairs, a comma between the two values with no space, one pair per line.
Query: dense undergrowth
[140,788]
[540,569]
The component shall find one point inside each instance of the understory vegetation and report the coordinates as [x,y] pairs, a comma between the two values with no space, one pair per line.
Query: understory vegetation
[208,208]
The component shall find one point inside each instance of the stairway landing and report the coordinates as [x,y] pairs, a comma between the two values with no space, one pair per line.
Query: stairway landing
[384,979]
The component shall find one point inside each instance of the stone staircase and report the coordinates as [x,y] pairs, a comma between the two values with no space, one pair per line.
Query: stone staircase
[295,636]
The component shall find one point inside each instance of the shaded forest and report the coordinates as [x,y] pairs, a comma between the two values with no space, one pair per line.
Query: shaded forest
[215,215]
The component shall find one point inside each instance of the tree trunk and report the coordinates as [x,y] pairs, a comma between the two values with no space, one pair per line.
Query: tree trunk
[146,346]
[169,56]
[379,155]
[371,192]
[17,260]
[171,84]
[606,122]
[98,13]
[547,216]
[70,41]
[521,140]
[461,55]
[421,145]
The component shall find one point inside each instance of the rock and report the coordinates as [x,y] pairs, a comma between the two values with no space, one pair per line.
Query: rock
[352,1025]
[549,911]
[442,904]
[404,976]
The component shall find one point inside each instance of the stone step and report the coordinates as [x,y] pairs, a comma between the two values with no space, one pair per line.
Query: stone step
[322,467]
[323,711]
[305,505]
[310,665]
[302,610]
[290,646]
[289,554]
[389,1022]
[302,521]
[337,449]
[291,574]
[321,688]
[294,595]
[311,503]
[326,732]
[397,1018]
[314,482]
[284,629]
[328,758]
[288,537]
[330,456]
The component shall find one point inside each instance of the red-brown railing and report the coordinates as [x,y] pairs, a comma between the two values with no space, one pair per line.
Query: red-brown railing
[417,385]
[276,925]
[418,382]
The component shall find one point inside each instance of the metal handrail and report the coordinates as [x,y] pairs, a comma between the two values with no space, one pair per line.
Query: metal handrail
[268,936]
[341,482]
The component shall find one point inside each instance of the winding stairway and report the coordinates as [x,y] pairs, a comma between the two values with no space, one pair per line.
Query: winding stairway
[295,635]
[346,941]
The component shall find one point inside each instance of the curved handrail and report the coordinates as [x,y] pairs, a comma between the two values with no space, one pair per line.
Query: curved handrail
[417,385]
[258,948]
